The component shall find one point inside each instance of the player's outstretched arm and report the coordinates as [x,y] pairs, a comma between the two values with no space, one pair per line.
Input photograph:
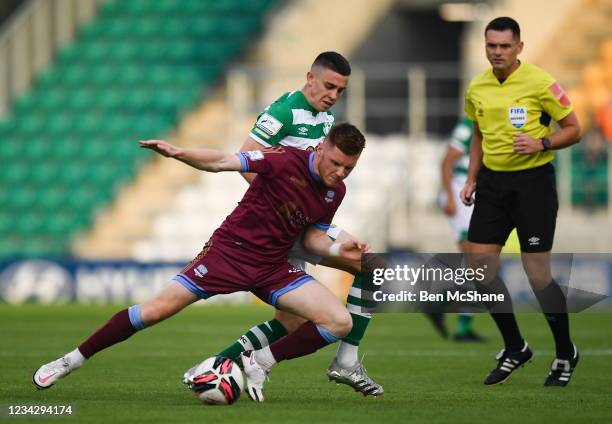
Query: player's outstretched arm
[318,242]
[249,145]
[204,159]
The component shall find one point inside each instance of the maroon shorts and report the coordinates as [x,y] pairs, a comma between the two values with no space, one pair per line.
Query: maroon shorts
[221,268]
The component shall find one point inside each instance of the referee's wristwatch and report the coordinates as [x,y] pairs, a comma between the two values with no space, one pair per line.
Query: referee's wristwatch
[545,144]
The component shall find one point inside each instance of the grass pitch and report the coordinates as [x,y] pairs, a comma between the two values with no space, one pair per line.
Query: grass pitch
[426,379]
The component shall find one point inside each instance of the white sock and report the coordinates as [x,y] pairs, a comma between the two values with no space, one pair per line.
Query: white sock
[75,358]
[347,355]
[265,358]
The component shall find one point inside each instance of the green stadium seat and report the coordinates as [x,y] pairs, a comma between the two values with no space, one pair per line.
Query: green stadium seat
[58,124]
[52,100]
[24,103]
[65,149]
[29,223]
[14,174]
[50,77]
[58,224]
[44,173]
[111,100]
[88,125]
[6,218]
[11,149]
[29,125]
[52,199]
[23,198]
[76,75]
[95,52]
[111,9]
[36,150]
[93,31]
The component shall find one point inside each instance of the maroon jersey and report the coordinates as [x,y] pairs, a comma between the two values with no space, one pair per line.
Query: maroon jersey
[285,198]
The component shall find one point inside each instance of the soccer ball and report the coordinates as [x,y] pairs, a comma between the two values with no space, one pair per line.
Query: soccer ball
[217,381]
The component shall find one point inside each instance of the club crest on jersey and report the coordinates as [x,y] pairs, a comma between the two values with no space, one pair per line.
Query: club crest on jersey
[329,196]
[518,116]
[201,270]
[327,126]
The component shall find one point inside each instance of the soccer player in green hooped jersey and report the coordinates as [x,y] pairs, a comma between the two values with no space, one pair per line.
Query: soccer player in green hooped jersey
[454,173]
[302,119]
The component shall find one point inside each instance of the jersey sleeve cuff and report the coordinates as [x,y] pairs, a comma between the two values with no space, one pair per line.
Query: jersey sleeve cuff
[320,226]
[259,140]
[244,163]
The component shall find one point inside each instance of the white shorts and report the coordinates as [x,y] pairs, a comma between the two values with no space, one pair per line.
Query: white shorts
[460,222]
[298,256]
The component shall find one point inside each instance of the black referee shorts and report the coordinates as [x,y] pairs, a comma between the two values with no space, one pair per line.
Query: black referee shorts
[524,199]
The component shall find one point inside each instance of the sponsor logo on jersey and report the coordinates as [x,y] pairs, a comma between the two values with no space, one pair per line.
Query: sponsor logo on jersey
[517,116]
[255,154]
[294,216]
[559,94]
[201,270]
[294,270]
[300,182]
[302,131]
[329,196]
[269,124]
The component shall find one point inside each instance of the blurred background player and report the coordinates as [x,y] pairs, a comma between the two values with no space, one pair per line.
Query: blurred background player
[302,119]
[454,172]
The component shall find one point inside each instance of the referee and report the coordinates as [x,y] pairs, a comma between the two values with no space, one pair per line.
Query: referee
[512,105]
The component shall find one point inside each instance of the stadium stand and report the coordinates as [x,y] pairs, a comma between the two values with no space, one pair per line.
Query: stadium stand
[68,143]
[222,122]
[583,63]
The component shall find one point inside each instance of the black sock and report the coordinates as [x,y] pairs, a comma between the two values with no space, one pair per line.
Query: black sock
[554,305]
[503,315]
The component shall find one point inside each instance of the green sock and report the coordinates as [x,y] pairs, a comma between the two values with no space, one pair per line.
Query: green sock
[357,303]
[464,324]
[257,337]
[360,325]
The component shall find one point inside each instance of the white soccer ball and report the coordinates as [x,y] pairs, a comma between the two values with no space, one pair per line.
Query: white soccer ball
[217,381]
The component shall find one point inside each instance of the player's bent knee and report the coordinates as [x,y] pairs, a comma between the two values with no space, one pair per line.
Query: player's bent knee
[341,323]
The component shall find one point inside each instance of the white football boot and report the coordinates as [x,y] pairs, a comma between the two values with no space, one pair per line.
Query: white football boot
[255,376]
[48,374]
[355,377]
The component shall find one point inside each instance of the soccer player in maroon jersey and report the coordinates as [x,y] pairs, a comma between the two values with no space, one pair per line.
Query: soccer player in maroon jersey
[248,252]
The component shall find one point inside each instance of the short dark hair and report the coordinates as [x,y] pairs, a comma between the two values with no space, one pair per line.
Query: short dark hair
[347,138]
[333,61]
[504,23]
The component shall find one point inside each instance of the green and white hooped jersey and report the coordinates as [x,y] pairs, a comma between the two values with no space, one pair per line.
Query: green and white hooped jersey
[461,139]
[291,121]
